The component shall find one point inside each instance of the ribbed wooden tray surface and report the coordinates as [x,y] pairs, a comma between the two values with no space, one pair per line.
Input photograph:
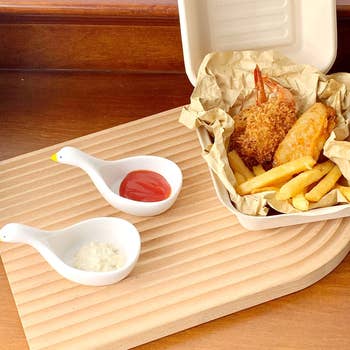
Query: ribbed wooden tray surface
[197,263]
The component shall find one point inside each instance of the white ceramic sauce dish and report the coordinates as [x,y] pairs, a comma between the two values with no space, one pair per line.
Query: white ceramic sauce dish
[108,175]
[59,247]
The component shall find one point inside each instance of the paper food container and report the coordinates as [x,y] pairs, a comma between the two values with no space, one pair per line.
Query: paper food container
[251,222]
[299,29]
[305,31]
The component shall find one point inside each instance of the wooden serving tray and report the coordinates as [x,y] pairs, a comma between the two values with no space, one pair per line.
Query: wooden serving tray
[197,263]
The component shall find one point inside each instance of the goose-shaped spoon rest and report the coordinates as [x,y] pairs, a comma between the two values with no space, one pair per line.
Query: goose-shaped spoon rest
[59,247]
[108,175]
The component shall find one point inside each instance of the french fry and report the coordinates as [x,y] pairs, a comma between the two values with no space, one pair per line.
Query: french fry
[263,189]
[345,190]
[239,178]
[258,169]
[324,186]
[306,178]
[275,175]
[300,202]
[275,187]
[238,166]
[282,181]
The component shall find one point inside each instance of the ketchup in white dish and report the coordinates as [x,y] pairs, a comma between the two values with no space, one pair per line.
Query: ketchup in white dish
[145,186]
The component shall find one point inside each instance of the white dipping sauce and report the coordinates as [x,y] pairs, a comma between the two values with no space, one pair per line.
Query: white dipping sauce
[98,256]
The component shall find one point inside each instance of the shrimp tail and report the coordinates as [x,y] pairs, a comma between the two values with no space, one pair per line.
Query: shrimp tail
[282,93]
[259,85]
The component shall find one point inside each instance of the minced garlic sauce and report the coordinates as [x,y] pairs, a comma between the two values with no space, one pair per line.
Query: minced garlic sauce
[97,256]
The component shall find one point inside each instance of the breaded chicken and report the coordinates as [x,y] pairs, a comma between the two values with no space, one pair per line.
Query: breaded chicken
[259,130]
[308,134]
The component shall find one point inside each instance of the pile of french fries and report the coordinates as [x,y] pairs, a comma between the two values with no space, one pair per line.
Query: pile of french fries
[300,181]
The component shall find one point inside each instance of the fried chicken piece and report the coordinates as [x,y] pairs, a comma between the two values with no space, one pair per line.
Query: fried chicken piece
[259,130]
[308,134]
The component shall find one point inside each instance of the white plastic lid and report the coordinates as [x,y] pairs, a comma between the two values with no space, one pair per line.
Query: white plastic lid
[305,31]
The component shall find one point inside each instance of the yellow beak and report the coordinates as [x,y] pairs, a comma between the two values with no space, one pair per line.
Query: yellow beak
[54,157]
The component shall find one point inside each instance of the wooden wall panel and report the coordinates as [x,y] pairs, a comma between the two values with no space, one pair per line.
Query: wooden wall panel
[91,46]
[119,8]
[136,35]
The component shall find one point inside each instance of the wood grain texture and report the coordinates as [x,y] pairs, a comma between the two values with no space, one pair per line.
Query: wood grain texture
[118,8]
[94,47]
[197,263]
[315,318]
[11,332]
[104,35]
[111,35]
[39,109]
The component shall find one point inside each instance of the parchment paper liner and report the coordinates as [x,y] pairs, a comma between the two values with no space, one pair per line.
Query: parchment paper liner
[225,85]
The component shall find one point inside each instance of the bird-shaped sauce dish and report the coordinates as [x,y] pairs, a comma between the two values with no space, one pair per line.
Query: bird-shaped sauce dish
[86,244]
[141,185]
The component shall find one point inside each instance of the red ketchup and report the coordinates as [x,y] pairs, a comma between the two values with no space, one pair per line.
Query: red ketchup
[145,186]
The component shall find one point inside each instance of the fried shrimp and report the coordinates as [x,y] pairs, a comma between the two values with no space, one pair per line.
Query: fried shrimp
[260,128]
